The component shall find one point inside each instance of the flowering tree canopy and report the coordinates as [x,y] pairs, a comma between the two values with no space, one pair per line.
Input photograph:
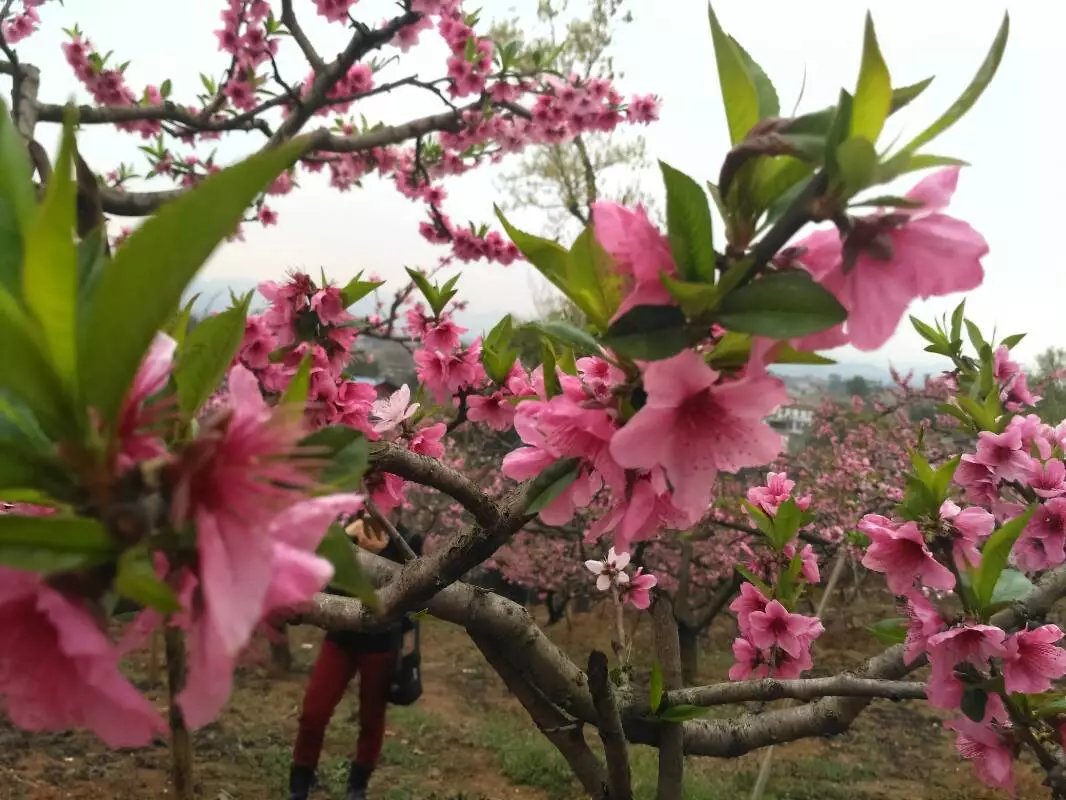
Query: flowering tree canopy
[200,473]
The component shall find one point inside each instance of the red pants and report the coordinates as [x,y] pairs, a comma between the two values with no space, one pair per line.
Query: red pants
[332,673]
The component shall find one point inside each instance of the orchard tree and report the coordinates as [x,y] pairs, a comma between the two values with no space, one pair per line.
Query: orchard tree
[201,474]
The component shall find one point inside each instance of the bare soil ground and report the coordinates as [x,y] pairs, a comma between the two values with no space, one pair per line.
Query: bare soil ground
[466,739]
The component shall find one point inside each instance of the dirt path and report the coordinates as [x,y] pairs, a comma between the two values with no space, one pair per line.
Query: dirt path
[466,739]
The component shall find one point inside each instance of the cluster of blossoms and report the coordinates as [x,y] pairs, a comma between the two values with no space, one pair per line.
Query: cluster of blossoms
[242,485]
[108,86]
[23,24]
[244,35]
[773,641]
[611,576]
[444,365]
[932,561]
[305,322]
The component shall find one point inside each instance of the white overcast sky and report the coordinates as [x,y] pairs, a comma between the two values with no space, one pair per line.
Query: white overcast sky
[1013,138]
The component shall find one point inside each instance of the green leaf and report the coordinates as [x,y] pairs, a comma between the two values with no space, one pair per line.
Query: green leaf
[957,317]
[786,523]
[208,351]
[143,283]
[856,162]
[994,556]
[548,495]
[682,712]
[970,95]
[890,631]
[739,93]
[356,289]
[594,284]
[552,387]
[497,355]
[769,105]
[903,163]
[347,452]
[781,305]
[927,332]
[1012,585]
[904,95]
[28,374]
[50,263]
[568,336]
[17,202]
[136,580]
[976,339]
[759,584]
[299,387]
[974,702]
[53,544]
[649,333]
[1010,341]
[348,575]
[688,224]
[655,694]
[694,298]
[873,94]
[585,273]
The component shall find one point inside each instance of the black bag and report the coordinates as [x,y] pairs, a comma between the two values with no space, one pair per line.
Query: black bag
[405,687]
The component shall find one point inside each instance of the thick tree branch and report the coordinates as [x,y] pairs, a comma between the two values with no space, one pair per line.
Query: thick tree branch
[164,112]
[672,736]
[565,733]
[610,728]
[139,204]
[388,457]
[767,689]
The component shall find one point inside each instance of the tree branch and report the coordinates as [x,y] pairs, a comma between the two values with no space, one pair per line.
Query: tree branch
[326,78]
[767,689]
[610,728]
[165,112]
[389,457]
[563,732]
[288,19]
[672,736]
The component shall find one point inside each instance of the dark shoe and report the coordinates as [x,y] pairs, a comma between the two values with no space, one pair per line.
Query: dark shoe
[301,781]
[358,778]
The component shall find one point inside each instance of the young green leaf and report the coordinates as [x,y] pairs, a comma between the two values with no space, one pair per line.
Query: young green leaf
[739,93]
[905,95]
[970,95]
[136,580]
[144,282]
[1011,586]
[206,354]
[356,289]
[873,94]
[50,263]
[769,105]
[688,225]
[552,386]
[856,163]
[695,298]
[348,576]
[655,694]
[29,374]
[758,583]
[54,544]
[546,497]
[567,335]
[17,203]
[295,394]
[347,452]
[890,631]
[781,305]
[1010,341]
[682,713]
[649,333]
[994,556]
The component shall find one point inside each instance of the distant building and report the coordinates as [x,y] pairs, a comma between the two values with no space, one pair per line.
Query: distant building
[792,421]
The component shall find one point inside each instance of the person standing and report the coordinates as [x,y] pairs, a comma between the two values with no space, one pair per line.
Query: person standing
[345,654]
